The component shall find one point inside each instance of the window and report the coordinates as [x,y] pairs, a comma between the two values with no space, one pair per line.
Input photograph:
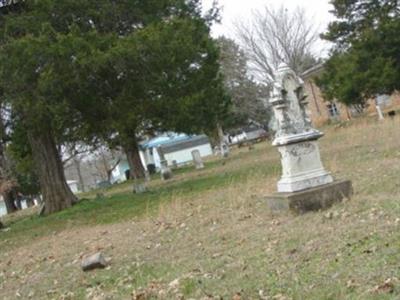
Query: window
[333,110]
[383,100]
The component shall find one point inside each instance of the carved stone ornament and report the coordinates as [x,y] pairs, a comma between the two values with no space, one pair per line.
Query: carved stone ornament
[295,138]
[289,103]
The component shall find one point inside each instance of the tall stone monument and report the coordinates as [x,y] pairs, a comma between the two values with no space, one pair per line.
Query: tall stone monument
[305,184]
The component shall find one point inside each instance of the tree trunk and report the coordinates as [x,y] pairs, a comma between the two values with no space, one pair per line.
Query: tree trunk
[136,167]
[221,135]
[224,148]
[8,192]
[55,191]
[18,202]
[109,175]
[9,198]
[77,163]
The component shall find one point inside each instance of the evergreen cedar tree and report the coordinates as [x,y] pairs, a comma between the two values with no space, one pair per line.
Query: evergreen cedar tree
[365,60]
[80,70]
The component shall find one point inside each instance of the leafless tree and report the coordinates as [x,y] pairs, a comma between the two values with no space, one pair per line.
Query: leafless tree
[249,98]
[274,36]
[106,161]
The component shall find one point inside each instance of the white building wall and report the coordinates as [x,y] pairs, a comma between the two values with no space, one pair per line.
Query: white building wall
[116,173]
[143,159]
[184,156]
[3,210]
[156,158]
[73,186]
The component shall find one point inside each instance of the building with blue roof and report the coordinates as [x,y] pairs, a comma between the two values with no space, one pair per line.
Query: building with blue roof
[177,150]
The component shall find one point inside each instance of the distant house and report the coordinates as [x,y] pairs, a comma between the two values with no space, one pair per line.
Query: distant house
[92,171]
[248,134]
[23,203]
[120,173]
[322,110]
[177,148]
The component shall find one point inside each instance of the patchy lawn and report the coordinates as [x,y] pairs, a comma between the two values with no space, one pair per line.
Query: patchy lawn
[208,234]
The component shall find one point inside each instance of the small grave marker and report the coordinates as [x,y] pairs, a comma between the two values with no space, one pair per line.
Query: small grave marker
[198,162]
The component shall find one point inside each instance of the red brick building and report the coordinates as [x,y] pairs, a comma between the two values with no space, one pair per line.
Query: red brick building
[322,111]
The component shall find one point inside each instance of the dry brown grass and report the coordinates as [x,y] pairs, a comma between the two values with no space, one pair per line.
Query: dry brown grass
[223,241]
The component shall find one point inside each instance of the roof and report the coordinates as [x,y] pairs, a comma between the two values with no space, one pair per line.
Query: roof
[164,139]
[313,71]
[189,142]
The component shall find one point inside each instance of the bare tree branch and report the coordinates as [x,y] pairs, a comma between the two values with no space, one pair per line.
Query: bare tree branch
[276,36]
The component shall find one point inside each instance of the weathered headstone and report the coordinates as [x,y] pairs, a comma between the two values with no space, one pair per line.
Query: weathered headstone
[139,187]
[95,261]
[224,150]
[174,164]
[198,162]
[305,184]
[166,172]
[147,176]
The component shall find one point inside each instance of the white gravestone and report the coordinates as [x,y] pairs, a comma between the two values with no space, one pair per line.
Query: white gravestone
[295,138]
[166,172]
[380,113]
[198,162]
[224,150]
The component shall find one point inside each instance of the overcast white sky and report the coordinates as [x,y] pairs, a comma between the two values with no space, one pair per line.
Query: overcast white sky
[318,11]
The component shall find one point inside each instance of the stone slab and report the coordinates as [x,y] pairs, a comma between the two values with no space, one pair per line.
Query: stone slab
[198,162]
[302,167]
[95,261]
[313,199]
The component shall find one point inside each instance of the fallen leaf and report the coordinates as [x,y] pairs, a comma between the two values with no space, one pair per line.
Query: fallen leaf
[237,296]
[174,284]
[386,287]
[351,284]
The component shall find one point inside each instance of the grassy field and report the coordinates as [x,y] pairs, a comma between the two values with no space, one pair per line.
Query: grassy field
[209,235]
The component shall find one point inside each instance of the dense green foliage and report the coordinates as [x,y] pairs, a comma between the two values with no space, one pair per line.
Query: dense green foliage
[165,77]
[66,61]
[80,71]
[365,60]
[19,155]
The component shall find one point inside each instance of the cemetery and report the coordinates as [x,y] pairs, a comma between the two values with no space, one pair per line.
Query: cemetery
[163,150]
[210,232]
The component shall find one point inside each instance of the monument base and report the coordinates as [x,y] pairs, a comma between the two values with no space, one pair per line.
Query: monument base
[313,199]
[301,167]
